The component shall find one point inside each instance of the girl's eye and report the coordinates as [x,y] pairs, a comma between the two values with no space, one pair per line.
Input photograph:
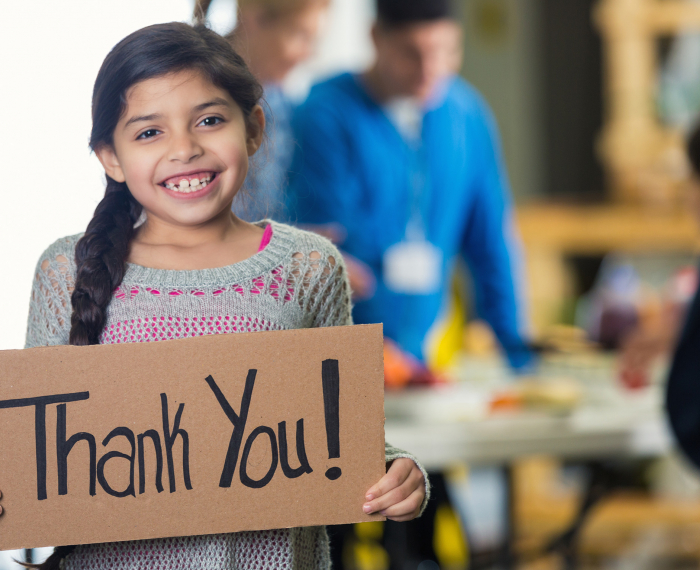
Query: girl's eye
[211,121]
[150,133]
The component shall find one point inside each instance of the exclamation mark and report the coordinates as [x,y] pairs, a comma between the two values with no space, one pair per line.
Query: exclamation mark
[331,396]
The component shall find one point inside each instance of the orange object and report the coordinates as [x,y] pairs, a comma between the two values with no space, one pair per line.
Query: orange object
[634,379]
[402,369]
[397,368]
[505,402]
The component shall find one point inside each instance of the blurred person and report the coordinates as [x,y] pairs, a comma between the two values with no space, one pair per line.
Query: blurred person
[273,36]
[683,389]
[651,341]
[402,167]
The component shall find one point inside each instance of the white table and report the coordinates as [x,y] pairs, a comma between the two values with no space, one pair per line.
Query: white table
[448,424]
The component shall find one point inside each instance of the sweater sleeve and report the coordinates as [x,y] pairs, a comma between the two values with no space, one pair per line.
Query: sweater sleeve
[50,305]
[324,288]
[334,304]
[392,453]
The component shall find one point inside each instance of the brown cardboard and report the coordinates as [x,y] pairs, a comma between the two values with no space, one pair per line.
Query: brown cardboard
[125,383]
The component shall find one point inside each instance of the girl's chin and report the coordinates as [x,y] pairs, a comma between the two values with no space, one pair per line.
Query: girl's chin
[195,219]
[190,213]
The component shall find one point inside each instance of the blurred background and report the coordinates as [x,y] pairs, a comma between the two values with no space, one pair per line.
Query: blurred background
[571,466]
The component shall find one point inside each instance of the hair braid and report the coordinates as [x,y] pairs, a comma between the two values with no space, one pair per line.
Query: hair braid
[53,562]
[100,256]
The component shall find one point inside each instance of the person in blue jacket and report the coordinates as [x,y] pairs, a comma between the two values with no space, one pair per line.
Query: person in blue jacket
[402,165]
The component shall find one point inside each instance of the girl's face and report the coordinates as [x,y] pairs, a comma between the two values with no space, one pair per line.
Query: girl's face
[182,148]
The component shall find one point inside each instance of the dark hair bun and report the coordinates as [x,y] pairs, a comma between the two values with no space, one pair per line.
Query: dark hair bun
[399,12]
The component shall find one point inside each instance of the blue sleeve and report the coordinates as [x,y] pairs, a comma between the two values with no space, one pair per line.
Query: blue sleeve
[324,187]
[491,247]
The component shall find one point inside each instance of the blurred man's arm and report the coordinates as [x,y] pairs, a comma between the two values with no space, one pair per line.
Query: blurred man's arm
[324,187]
[324,191]
[492,249]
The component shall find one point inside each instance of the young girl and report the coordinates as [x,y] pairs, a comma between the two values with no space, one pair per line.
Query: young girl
[175,118]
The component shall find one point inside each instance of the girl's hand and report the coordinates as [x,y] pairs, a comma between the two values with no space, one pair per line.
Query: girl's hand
[399,494]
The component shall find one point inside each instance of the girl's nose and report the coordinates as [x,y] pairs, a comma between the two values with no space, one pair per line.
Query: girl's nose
[185,148]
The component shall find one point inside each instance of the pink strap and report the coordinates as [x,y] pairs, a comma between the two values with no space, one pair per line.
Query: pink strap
[267,236]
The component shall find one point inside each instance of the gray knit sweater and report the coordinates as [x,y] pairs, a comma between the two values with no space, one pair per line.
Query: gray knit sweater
[297,281]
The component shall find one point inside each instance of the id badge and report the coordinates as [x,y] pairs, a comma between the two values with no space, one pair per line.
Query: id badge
[413,268]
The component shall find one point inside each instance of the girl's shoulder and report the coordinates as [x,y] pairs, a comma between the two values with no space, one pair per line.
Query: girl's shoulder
[308,250]
[302,241]
[317,274]
[50,301]
[61,254]
[63,246]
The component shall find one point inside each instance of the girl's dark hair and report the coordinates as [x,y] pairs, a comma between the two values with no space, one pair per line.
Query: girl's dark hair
[101,253]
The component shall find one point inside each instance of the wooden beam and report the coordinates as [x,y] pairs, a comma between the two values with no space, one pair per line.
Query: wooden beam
[672,17]
[601,229]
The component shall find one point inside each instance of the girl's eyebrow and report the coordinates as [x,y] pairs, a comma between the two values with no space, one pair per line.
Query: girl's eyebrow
[142,118]
[216,102]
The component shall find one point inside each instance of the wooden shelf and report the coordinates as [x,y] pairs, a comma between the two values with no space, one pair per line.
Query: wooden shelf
[603,229]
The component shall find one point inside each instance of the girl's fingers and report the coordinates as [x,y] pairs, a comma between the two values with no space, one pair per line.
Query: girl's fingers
[385,501]
[394,496]
[407,509]
[398,472]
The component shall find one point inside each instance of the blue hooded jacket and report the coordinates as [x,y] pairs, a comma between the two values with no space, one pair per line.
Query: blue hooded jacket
[353,168]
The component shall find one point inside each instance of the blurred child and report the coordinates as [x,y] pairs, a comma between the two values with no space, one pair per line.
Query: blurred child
[645,344]
[683,390]
[273,36]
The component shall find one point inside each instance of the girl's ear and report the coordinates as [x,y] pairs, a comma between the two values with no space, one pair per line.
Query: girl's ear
[110,162]
[255,130]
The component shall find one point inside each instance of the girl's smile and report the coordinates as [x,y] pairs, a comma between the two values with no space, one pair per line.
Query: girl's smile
[191,185]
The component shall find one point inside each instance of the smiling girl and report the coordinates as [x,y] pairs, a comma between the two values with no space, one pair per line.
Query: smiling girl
[176,117]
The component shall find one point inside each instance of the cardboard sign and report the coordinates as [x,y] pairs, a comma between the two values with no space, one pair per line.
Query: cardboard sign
[207,435]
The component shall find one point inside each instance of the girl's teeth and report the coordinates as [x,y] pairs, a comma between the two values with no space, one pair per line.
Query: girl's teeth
[189,186]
